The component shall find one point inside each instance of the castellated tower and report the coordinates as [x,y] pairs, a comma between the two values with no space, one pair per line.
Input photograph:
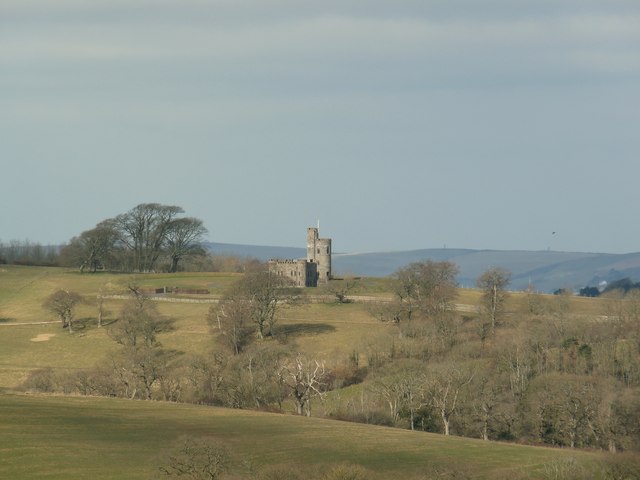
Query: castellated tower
[309,272]
[319,252]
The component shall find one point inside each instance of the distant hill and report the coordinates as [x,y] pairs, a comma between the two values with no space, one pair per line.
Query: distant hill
[545,270]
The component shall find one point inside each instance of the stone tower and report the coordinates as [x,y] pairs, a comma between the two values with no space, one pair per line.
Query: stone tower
[319,252]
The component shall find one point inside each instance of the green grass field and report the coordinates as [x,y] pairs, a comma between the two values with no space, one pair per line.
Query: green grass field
[97,438]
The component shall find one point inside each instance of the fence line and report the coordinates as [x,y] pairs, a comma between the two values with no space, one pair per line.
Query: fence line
[312,298]
[166,299]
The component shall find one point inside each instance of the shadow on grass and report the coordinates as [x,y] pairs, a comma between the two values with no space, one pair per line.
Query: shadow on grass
[90,323]
[85,324]
[300,329]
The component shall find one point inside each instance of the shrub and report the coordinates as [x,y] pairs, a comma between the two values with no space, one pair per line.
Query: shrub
[346,472]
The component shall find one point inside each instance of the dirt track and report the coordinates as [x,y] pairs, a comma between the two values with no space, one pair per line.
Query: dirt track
[27,323]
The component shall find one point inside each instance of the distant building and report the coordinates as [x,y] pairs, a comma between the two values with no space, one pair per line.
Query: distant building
[309,272]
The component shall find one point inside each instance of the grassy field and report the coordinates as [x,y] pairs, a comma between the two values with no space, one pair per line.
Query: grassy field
[326,330]
[28,344]
[72,437]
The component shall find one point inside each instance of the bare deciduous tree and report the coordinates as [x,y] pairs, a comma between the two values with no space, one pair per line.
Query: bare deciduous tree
[143,230]
[259,295]
[426,287]
[143,360]
[340,288]
[493,284]
[198,460]
[63,303]
[93,249]
[402,386]
[231,317]
[183,239]
[304,379]
[445,387]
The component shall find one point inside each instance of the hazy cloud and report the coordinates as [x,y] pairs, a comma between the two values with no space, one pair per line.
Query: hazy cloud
[410,105]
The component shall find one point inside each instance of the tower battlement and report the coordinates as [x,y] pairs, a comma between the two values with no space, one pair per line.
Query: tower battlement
[319,251]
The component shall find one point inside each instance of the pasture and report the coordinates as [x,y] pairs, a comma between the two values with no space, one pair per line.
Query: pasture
[87,437]
[98,438]
[31,338]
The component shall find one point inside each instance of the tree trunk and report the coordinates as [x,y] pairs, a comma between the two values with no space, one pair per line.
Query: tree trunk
[174,264]
[486,410]
[445,422]
[485,431]
[494,302]
[100,311]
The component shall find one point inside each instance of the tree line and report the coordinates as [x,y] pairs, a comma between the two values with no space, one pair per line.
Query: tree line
[149,237]
[138,240]
[16,252]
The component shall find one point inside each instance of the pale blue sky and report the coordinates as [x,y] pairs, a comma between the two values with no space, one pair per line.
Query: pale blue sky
[399,124]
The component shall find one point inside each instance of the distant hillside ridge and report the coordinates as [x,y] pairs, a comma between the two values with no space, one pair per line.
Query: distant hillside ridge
[545,270]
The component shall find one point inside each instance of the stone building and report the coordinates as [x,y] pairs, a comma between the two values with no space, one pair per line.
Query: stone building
[319,251]
[309,272]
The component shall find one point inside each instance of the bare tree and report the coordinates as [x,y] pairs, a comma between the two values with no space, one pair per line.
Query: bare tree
[486,401]
[340,288]
[405,288]
[142,361]
[426,287]
[198,460]
[566,410]
[264,294]
[231,317]
[445,387]
[183,239]
[389,388]
[144,230]
[251,379]
[304,379]
[392,312]
[63,303]
[493,284]
[402,387]
[93,249]
[105,290]
[138,325]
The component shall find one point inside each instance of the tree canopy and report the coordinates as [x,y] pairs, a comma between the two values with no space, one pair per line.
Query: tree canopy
[138,240]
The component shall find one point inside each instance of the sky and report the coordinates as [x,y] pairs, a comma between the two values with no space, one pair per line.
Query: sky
[404,124]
